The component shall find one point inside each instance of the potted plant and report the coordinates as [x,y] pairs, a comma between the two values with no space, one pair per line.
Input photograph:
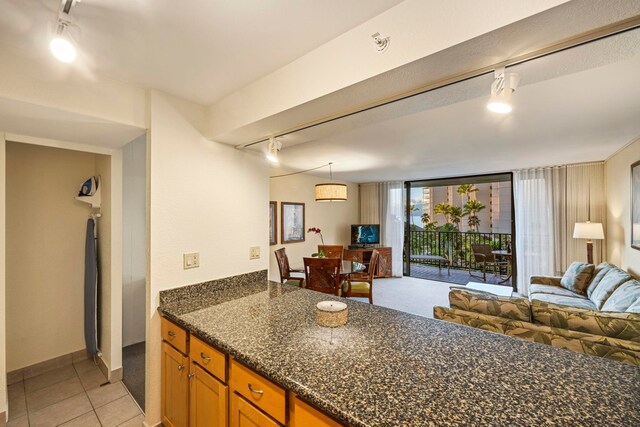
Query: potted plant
[319,254]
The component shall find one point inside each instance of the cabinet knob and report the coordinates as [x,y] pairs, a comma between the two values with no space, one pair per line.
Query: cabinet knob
[191,375]
[256,391]
[180,367]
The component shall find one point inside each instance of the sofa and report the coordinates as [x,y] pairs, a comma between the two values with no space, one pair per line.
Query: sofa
[601,317]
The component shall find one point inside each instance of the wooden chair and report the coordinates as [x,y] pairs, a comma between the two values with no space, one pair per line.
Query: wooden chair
[482,255]
[323,275]
[288,275]
[363,286]
[332,251]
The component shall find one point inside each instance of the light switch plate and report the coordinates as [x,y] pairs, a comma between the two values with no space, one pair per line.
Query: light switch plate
[191,260]
[254,252]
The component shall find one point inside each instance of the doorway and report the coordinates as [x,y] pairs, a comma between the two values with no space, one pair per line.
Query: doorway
[459,230]
[134,266]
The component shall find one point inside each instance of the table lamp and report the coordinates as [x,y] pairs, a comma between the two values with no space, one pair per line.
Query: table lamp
[590,231]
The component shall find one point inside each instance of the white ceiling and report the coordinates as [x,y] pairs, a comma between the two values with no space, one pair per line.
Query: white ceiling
[34,120]
[579,105]
[199,50]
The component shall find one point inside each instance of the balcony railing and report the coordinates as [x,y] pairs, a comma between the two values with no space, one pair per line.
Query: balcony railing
[454,245]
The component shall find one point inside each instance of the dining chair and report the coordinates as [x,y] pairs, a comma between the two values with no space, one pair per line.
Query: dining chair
[362,286]
[482,255]
[323,275]
[288,275]
[332,251]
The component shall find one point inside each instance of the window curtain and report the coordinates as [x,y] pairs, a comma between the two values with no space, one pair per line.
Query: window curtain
[548,203]
[382,203]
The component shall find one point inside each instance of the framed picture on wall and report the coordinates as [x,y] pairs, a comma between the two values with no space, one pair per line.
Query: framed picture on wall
[292,222]
[635,205]
[273,223]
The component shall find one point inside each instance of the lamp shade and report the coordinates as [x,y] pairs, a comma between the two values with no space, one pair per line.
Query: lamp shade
[588,230]
[331,192]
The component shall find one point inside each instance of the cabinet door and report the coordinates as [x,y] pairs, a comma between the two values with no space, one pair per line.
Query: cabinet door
[244,414]
[303,415]
[175,387]
[207,399]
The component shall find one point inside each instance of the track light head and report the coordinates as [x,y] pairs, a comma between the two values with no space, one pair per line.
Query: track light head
[502,87]
[273,150]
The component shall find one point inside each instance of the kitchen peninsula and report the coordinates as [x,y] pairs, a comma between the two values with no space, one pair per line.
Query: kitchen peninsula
[388,368]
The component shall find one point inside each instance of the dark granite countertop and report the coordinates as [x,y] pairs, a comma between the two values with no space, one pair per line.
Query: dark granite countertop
[388,368]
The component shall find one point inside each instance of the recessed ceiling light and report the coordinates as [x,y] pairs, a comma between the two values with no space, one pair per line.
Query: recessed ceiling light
[62,49]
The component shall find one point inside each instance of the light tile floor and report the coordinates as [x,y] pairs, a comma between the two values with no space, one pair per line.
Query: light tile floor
[71,395]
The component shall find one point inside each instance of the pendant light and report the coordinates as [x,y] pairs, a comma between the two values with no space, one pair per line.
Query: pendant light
[331,191]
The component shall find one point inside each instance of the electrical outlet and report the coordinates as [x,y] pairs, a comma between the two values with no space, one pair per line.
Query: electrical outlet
[254,252]
[191,260]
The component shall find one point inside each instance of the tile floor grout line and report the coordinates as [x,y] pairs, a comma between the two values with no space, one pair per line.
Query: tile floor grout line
[55,403]
[81,415]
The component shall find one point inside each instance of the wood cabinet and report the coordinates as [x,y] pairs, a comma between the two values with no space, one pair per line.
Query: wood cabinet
[304,415]
[364,256]
[195,393]
[244,414]
[175,387]
[207,399]
[192,396]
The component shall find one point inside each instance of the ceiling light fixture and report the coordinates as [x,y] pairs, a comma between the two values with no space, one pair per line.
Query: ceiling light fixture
[502,87]
[331,191]
[273,150]
[61,45]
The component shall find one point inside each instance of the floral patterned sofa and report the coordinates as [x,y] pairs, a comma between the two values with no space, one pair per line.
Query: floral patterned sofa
[602,320]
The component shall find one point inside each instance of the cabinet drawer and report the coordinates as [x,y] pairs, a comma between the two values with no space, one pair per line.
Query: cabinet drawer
[258,390]
[174,335]
[244,414]
[208,357]
[303,415]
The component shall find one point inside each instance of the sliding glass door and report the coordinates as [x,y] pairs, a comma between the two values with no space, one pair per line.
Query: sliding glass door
[460,229]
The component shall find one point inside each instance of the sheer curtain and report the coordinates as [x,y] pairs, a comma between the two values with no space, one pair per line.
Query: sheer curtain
[382,203]
[548,203]
[391,224]
[539,202]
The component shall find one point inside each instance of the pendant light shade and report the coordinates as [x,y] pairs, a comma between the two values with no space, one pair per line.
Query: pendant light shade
[331,192]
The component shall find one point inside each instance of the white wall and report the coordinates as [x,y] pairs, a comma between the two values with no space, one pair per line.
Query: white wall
[205,197]
[334,219]
[134,241]
[618,170]
[45,252]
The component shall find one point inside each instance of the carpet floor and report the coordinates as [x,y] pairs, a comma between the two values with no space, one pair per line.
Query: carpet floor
[409,294]
[133,371]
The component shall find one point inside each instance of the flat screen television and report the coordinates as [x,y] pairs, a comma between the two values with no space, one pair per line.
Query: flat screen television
[365,234]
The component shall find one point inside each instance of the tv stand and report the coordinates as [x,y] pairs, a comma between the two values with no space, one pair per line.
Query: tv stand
[363,255]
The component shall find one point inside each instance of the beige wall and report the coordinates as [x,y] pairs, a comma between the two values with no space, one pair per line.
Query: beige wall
[205,197]
[3,353]
[618,169]
[334,219]
[45,252]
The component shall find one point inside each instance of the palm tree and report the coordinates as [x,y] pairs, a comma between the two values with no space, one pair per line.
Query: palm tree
[456,213]
[443,208]
[427,223]
[471,209]
[466,190]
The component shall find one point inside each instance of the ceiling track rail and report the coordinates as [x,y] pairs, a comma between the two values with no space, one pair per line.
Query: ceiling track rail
[579,40]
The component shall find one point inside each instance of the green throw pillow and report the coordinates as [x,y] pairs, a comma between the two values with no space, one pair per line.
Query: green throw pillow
[577,277]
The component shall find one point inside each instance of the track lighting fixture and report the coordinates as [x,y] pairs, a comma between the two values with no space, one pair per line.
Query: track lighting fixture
[61,45]
[502,87]
[273,150]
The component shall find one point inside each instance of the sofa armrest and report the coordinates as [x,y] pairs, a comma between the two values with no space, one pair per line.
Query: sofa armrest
[515,308]
[545,280]
[619,325]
